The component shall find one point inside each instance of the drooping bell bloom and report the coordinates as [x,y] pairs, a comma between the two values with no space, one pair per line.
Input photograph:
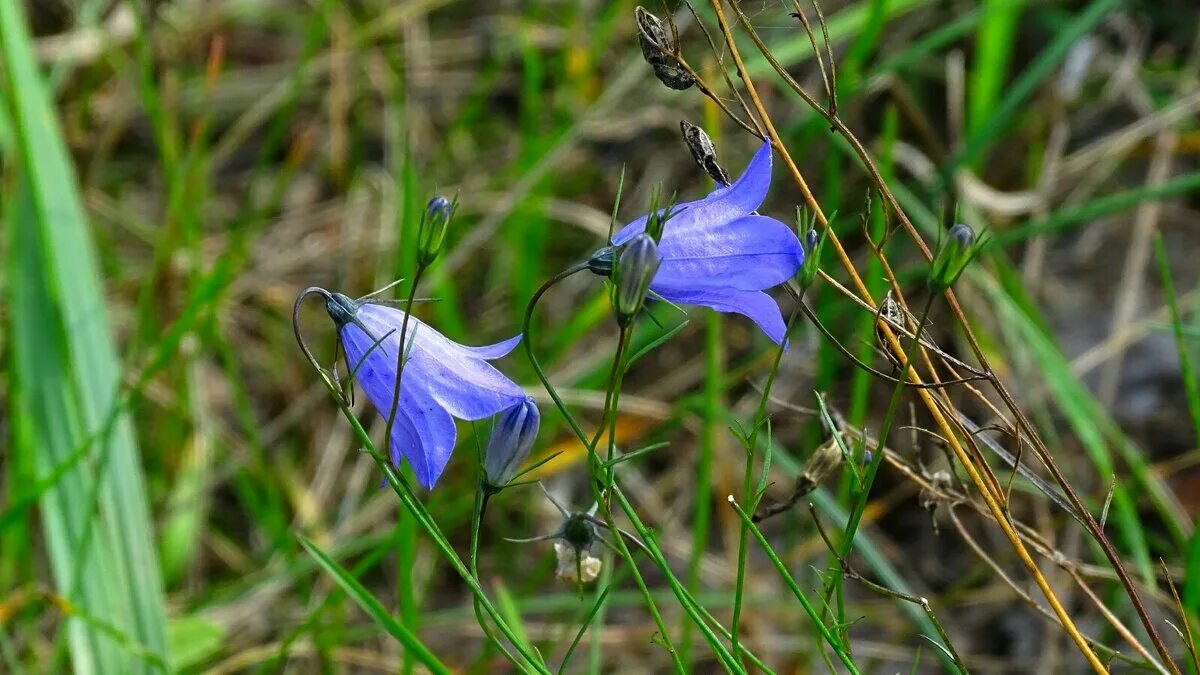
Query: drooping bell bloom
[717,252]
[441,380]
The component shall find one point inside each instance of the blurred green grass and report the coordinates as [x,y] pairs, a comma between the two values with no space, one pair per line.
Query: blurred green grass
[218,160]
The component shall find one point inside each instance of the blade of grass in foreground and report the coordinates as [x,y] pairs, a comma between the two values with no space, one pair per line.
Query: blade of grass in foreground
[376,611]
[65,380]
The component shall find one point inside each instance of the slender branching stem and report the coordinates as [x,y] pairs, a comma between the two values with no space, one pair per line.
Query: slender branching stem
[826,633]
[604,478]
[1022,420]
[686,601]
[885,428]
[749,493]
[930,402]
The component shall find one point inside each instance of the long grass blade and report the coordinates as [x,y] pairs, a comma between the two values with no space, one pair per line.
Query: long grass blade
[375,610]
[65,382]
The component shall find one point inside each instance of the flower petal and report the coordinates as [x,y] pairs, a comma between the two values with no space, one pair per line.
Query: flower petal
[751,253]
[758,306]
[372,365]
[423,431]
[429,422]
[724,204]
[404,442]
[495,351]
[457,377]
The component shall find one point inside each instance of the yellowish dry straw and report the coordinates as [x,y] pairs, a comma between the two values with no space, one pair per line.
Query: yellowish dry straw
[927,398]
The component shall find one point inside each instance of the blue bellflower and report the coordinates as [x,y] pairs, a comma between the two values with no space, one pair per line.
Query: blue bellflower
[442,380]
[717,252]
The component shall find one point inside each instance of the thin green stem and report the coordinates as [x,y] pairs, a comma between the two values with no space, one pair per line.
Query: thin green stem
[404,531]
[830,639]
[689,604]
[702,504]
[889,417]
[400,486]
[602,493]
[749,493]
[481,501]
[686,601]
[400,354]
[526,330]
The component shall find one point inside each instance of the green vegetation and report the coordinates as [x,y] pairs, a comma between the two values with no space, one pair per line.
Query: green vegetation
[998,477]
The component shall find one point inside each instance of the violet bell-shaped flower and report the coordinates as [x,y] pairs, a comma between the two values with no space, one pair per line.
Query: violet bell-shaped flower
[441,380]
[719,253]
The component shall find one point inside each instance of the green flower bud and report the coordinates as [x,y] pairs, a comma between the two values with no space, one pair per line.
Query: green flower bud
[636,266]
[952,258]
[432,233]
[813,243]
[601,262]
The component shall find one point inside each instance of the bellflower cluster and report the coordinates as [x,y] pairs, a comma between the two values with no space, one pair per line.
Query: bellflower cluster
[718,252]
[441,380]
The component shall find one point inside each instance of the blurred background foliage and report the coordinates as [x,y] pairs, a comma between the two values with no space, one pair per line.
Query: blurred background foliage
[174,172]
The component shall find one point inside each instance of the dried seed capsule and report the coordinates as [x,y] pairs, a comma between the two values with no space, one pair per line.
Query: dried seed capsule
[656,42]
[703,151]
[659,50]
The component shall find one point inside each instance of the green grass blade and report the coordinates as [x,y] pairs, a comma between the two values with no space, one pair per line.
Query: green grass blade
[66,377]
[375,610]
[1191,385]
[990,130]
[993,51]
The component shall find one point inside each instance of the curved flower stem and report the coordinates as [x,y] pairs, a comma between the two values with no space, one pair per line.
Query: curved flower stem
[528,342]
[400,356]
[994,502]
[481,501]
[751,496]
[593,461]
